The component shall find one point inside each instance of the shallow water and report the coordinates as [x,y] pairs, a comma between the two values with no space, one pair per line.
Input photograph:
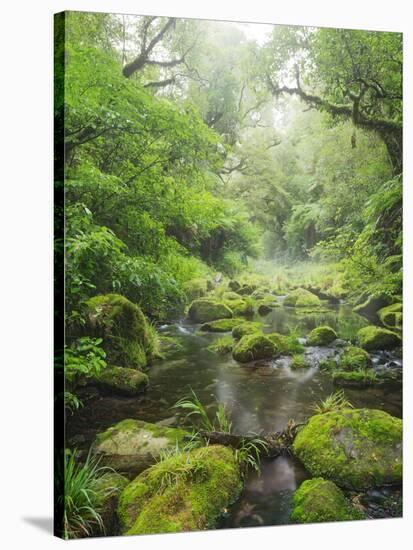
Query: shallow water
[259,397]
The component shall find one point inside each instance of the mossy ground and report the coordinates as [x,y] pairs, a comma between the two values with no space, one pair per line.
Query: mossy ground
[185,492]
[355,448]
[319,500]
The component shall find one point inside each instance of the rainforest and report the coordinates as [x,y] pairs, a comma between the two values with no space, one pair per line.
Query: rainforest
[231,247]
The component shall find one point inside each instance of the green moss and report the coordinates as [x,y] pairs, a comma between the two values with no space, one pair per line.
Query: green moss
[241,307]
[246,327]
[231,296]
[377,338]
[372,304]
[222,345]
[220,325]
[318,500]
[127,338]
[322,336]
[392,316]
[205,310]
[133,445]
[354,358]
[327,364]
[286,344]
[298,361]
[252,347]
[185,492]
[357,378]
[246,290]
[355,448]
[234,285]
[122,380]
[302,298]
[108,488]
[195,288]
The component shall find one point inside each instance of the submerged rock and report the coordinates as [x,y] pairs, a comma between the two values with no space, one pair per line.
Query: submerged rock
[122,381]
[377,338]
[205,310]
[127,336]
[300,297]
[319,500]
[132,445]
[355,448]
[254,346]
[322,336]
[186,492]
[391,316]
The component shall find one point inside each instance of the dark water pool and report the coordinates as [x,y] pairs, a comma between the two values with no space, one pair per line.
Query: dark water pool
[259,398]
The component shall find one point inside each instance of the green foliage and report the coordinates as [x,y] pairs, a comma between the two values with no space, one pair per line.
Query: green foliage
[334,402]
[84,358]
[82,502]
[248,454]
[220,423]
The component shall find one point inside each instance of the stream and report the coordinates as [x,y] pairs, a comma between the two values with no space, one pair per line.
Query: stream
[259,398]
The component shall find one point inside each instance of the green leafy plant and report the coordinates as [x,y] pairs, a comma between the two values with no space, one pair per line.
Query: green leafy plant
[334,402]
[81,502]
[220,423]
[248,454]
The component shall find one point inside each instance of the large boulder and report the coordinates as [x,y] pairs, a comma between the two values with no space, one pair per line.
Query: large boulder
[300,297]
[372,304]
[391,316]
[205,310]
[245,327]
[108,489]
[355,448]
[186,492]
[322,336]
[254,346]
[122,381]
[318,500]
[127,338]
[376,338]
[132,445]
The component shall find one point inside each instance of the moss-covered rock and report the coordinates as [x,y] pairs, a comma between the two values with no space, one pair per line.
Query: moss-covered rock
[354,379]
[318,500]
[132,445]
[298,361]
[267,304]
[195,288]
[355,448]
[246,327]
[372,304]
[377,338]
[222,346]
[186,492]
[230,296]
[391,316]
[108,489]
[253,347]
[354,358]
[246,290]
[244,308]
[321,336]
[302,298]
[127,338]
[221,325]
[122,381]
[205,310]
[287,345]
[234,285]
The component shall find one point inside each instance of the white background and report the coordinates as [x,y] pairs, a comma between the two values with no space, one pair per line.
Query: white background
[26,271]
